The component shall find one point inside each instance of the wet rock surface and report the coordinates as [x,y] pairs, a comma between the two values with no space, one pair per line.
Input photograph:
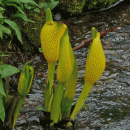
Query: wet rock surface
[109,99]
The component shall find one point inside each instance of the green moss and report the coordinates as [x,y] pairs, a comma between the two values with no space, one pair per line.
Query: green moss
[99,4]
[74,7]
[31,31]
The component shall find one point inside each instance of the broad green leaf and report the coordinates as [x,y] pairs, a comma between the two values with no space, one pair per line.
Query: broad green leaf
[8,70]
[23,16]
[1,87]
[2,110]
[69,94]
[56,108]
[16,7]
[15,27]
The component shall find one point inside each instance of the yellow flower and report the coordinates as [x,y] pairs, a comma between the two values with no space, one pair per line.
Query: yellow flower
[95,63]
[66,60]
[51,35]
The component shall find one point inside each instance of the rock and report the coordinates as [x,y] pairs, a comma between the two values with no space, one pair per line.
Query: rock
[57,17]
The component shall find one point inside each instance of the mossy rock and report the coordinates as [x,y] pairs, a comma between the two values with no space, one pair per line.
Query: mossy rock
[98,4]
[73,7]
[31,31]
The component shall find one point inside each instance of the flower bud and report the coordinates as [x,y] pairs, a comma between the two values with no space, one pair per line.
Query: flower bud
[25,80]
[51,35]
[66,60]
[95,63]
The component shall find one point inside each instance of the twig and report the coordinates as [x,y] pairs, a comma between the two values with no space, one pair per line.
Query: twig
[89,40]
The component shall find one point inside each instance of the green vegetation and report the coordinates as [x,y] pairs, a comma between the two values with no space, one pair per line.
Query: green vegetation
[13,18]
[74,7]
[10,11]
[58,101]
[11,105]
[31,31]
[99,4]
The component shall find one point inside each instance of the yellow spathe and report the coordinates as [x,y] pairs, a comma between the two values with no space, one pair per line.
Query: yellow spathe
[51,35]
[95,63]
[66,60]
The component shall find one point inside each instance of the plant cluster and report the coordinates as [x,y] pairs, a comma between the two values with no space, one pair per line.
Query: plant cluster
[59,109]
[58,101]
[11,105]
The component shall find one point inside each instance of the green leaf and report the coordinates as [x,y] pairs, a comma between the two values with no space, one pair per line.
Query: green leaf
[1,87]
[20,10]
[1,2]
[11,1]
[23,16]
[28,1]
[15,27]
[40,108]
[67,106]
[52,4]
[3,55]
[41,4]
[40,50]
[2,110]
[1,9]
[8,70]
[36,10]
[4,30]
[27,6]
[1,33]
[17,109]
[85,105]
[1,16]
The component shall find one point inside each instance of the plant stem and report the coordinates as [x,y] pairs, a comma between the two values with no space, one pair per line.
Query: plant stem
[56,105]
[48,89]
[18,108]
[82,98]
